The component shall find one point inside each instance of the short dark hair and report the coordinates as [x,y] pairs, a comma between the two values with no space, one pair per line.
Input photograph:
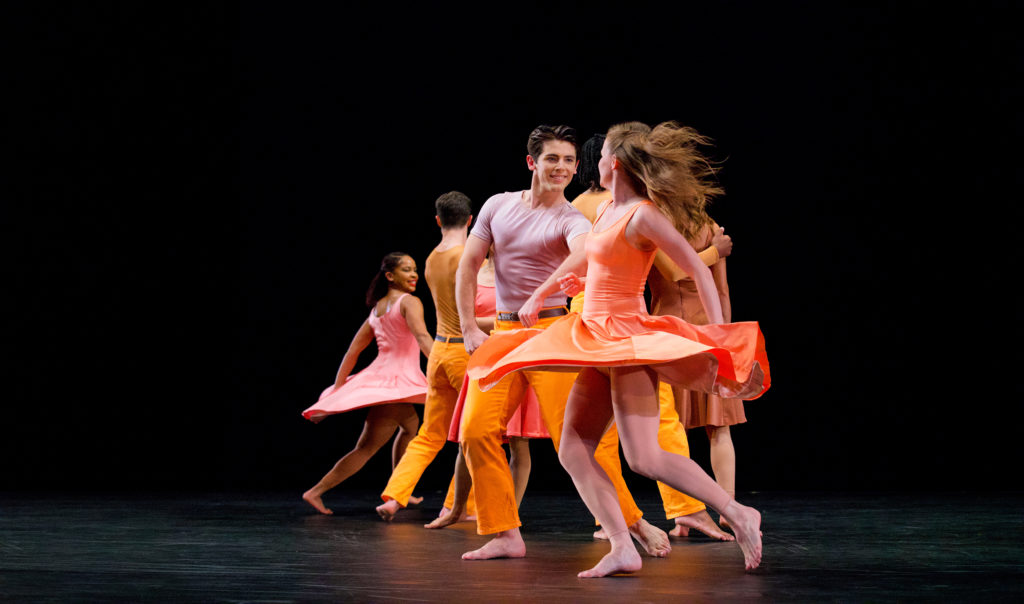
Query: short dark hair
[590,154]
[542,134]
[453,208]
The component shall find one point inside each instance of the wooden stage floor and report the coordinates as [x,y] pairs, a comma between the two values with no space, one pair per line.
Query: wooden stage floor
[270,547]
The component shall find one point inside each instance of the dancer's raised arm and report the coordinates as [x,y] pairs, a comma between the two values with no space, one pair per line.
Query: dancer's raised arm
[650,224]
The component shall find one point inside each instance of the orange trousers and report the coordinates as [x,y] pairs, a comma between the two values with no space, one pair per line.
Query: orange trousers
[484,418]
[446,367]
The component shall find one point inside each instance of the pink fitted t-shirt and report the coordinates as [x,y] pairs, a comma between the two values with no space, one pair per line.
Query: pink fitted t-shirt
[529,244]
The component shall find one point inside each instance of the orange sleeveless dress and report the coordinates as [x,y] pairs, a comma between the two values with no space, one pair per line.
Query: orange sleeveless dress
[615,330]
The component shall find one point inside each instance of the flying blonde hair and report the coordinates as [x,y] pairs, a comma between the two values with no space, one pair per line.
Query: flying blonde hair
[666,165]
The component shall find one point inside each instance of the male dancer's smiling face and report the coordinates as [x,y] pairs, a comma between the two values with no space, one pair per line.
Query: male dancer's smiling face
[555,166]
[404,277]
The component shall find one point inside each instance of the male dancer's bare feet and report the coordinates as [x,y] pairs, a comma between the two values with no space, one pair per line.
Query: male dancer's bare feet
[746,523]
[702,522]
[388,509]
[314,500]
[619,560]
[506,544]
[654,540]
[414,500]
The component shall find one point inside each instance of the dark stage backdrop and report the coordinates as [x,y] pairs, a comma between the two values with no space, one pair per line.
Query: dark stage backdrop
[202,196]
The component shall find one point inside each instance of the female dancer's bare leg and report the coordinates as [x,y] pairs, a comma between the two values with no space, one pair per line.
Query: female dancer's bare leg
[635,404]
[723,460]
[520,463]
[462,483]
[408,425]
[587,416]
[381,422]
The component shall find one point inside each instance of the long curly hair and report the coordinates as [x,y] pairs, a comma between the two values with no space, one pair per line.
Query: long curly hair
[666,165]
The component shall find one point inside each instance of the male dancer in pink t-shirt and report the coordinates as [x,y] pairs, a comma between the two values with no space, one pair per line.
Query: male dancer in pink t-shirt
[532,231]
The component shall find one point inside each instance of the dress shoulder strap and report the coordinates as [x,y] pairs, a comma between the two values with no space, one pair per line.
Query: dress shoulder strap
[604,206]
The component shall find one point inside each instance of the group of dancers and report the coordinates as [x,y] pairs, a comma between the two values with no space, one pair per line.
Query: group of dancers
[510,361]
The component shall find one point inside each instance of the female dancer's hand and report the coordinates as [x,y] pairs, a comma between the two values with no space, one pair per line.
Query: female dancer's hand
[571,284]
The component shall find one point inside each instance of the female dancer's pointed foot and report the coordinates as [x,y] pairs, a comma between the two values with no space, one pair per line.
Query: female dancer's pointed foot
[654,540]
[619,560]
[506,544]
[414,500]
[702,522]
[445,518]
[746,523]
[314,500]
[388,509]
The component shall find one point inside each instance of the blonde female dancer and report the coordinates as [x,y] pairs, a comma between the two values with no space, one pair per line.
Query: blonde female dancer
[390,384]
[623,350]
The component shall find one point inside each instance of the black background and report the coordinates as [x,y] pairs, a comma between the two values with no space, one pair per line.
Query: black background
[200,195]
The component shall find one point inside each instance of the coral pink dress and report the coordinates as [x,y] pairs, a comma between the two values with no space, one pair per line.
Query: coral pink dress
[615,330]
[393,377]
[526,422]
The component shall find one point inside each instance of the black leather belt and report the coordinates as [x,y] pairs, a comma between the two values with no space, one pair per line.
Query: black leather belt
[544,314]
[449,339]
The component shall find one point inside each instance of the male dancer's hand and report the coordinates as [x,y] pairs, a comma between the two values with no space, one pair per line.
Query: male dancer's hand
[528,313]
[472,338]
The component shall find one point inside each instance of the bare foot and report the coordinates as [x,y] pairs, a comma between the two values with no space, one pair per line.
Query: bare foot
[445,518]
[414,500]
[722,522]
[388,509]
[621,560]
[746,523]
[506,544]
[315,501]
[702,522]
[600,534]
[654,540]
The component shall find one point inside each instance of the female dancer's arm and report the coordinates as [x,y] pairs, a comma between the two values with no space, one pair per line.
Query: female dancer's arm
[721,246]
[575,264]
[649,224]
[722,285]
[412,310]
[359,343]
[486,324]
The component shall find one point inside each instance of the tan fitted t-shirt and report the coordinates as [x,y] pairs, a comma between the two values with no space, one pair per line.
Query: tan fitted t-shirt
[440,275]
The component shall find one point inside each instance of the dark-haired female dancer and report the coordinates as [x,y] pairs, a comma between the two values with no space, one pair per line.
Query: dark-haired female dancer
[390,384]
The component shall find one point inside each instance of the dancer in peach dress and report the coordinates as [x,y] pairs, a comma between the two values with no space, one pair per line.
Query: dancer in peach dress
[622,349]
[390,384]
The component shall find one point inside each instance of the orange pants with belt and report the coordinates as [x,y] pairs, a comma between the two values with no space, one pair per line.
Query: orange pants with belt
[446,367]
[484,418]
